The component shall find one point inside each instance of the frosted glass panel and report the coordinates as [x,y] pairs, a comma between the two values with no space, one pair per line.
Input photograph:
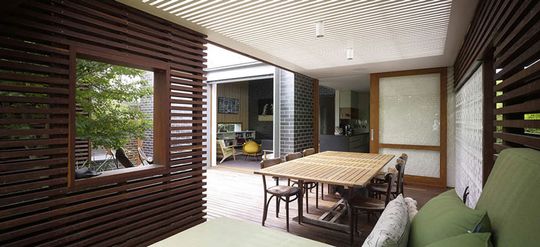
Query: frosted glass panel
[420,163]
[410,110]
[469,101]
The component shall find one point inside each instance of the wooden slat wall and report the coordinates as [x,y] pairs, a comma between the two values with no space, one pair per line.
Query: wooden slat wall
[505,35]
[38,205]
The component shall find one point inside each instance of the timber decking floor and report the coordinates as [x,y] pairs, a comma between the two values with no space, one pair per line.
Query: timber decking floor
[238,194]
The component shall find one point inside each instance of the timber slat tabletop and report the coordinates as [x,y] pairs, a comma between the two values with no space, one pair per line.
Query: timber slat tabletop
[331,167]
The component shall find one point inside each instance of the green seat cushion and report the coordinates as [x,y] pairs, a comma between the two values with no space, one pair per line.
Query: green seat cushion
[465,240]
[511,198]
[445,216]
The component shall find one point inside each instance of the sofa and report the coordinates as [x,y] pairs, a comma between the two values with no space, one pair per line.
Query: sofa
[506,214]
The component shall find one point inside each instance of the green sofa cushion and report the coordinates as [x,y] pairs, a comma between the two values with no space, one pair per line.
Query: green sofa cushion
[445,216]
[511,198]
[465,240]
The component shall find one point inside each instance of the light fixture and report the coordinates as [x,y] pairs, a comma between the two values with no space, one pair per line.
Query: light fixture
[319,29]
[350,53]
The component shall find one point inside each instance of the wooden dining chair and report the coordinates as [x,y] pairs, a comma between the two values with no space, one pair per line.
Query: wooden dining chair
[308,152]
[308,185]
[379,178]
[369,205]
[378,189]
[280,192]
[293,156]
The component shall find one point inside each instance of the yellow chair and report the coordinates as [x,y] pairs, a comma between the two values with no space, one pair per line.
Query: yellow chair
[251,148]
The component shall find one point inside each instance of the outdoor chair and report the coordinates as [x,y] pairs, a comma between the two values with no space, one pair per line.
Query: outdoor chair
[122,158]
[251,149]
[377,189]
[368,205]
[226,151]
[280,192]
[143,158]
[308,152]
[308,186]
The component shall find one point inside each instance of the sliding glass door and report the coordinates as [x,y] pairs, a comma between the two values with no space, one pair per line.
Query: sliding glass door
[409,116]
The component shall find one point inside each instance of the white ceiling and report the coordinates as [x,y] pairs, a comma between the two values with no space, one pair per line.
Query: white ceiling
[385,35]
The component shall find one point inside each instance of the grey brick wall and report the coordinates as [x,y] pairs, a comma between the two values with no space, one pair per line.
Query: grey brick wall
[303,112]
[296,123]
[287,112]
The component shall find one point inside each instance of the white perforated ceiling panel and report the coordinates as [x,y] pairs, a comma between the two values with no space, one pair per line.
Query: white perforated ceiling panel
[377,30]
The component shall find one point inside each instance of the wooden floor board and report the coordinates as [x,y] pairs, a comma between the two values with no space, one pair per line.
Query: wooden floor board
[238,194]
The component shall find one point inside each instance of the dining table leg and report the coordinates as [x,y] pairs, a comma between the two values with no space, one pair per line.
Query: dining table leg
[300,203]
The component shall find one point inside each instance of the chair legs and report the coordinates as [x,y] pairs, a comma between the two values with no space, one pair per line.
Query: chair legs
[278,199]
[317,195]
[287,212]
[265,209]
[307,205]
[322,191]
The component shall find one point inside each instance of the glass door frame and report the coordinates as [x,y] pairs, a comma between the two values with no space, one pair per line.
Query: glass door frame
[375,145]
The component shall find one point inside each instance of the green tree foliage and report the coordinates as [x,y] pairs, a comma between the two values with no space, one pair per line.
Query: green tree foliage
[108,96]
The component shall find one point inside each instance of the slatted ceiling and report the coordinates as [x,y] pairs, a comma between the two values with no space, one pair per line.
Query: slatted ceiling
[377,30]
[36,206]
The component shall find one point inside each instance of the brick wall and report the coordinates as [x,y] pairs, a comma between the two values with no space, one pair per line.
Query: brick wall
[296,115]
[303,112]
[286,112]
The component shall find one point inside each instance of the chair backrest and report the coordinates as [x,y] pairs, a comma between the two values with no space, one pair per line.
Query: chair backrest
[293,156]
[308,152]
[400,167]
[142,157]
[404,157]
[122,158]
[270,162]
[224,149]
[389,178]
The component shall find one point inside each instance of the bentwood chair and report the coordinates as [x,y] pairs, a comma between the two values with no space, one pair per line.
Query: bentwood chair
[368,205]
[308,186]
[379,189]
[308,152]
[280,192]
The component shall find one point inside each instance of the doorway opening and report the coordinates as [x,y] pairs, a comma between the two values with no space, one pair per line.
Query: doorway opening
[241,100]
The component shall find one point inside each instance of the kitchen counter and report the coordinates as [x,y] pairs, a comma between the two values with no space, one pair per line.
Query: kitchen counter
[356,143]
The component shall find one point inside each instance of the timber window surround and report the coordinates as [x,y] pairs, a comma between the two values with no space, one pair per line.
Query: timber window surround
[110,90]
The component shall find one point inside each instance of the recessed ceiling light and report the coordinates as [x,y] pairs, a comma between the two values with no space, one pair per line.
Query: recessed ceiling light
[350,53]
[319,29]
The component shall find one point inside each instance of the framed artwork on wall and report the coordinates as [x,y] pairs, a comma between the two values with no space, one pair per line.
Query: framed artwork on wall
[228,105]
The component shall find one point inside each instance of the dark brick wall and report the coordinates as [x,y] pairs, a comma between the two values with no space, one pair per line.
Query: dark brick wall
[296,102]
[260,89]
[303,112]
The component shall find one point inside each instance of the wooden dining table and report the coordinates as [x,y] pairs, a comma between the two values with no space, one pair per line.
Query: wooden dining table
[347,169]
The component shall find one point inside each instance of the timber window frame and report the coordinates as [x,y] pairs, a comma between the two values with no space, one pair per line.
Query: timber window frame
[161,117]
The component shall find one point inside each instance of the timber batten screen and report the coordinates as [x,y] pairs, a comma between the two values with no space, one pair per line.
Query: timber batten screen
[504,36]
[40,201]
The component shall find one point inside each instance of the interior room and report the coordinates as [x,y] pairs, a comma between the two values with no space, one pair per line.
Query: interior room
[244,116]
[208,123]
